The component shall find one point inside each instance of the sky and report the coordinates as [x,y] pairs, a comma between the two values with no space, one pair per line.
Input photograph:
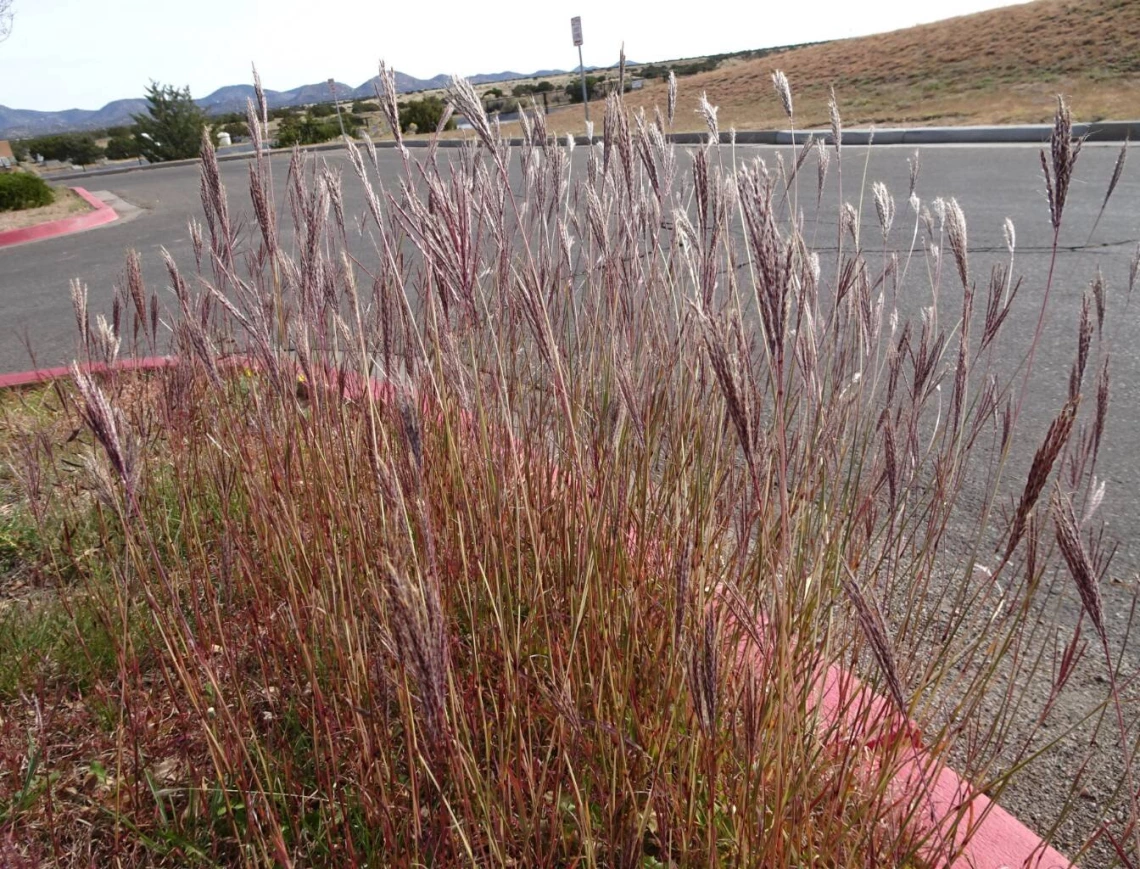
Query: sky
[85,53]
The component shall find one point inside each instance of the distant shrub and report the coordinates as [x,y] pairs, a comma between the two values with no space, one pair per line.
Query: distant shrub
[306,131]
[593,88]
[504,106]
[20,190]
[322,110]
[424,113]
[79,148]
[122,147]
[707,65]
[360,107]
[236,128]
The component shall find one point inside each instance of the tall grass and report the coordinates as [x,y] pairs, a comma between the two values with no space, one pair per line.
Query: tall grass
[526,538]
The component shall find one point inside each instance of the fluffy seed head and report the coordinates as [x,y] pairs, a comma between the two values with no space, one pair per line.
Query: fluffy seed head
[672,97]
[823,158]
[884,206]
[836,122]
[955,226]
[708,111]
[783,90]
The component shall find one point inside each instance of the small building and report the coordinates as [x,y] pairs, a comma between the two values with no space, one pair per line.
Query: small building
[7,158]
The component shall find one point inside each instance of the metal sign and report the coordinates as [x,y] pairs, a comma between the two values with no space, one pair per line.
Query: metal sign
[576,29]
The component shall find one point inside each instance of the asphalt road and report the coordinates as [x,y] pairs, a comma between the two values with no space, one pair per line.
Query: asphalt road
[990,182]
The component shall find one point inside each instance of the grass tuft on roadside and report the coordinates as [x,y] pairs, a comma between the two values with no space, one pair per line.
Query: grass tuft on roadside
[529,538]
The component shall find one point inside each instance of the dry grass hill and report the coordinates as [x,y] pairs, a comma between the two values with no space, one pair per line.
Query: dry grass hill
[997,67]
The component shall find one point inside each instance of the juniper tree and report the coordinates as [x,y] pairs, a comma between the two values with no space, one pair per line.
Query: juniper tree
[172,127]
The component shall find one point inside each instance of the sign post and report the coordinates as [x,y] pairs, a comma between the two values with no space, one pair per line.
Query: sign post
[576,29]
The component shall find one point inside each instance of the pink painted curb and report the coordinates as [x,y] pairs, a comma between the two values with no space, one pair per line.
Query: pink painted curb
[102,214]
[44,375]
[951,808]
[947,807]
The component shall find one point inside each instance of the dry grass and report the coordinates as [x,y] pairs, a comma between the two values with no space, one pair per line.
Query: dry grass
[998,67]
[449,552]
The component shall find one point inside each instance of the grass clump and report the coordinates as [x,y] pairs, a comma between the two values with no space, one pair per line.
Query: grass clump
[528,537]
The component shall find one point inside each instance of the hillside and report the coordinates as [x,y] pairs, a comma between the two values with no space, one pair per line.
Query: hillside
[1002,66]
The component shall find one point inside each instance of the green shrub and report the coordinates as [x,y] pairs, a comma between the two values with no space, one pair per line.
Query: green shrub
[424,113]
[504,106]
[20,190]
[122,148]
[360,107]
[306,131]
[593,88]
[79,148]
[236,128]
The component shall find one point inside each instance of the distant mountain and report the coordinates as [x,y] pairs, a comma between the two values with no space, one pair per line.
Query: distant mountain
[231,98]
[408,84]
[22,123]
[313,93]
[15,123]
[404,84]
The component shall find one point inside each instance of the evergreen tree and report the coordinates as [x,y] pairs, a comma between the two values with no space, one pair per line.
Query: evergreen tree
[172,129]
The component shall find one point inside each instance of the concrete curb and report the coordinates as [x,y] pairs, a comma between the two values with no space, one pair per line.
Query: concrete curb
[1100,131]
[101,215]
[949,810]
[45,375]
[952,809]
[857,719]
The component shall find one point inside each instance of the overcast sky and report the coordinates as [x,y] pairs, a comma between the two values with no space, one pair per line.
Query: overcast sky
[84,53]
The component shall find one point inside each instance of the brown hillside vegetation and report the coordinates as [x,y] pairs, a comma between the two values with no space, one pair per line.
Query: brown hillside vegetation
[1001,66]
